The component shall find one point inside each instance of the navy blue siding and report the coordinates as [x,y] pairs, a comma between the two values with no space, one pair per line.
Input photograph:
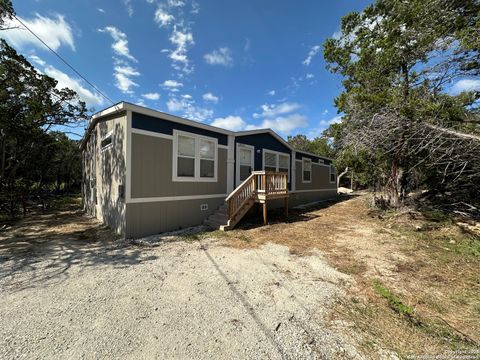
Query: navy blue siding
[150,123]
[299,155]
[260,142]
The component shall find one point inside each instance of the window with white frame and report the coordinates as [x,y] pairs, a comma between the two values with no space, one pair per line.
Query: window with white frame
[306,170]
[195,157]
[333,174]
[107,141]
[276,161]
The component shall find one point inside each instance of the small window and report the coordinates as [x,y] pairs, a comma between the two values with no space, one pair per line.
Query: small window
[276,161]
[321,161]
[306,170]
[107,141]
[186,156]
[270,161]
[283,163]
[333,174]
[195,157]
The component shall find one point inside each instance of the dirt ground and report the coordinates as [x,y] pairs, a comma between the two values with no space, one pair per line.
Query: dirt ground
[334,281]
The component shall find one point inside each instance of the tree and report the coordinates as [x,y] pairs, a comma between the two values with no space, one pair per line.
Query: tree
[31,106]
[6,12]
[396,57]
[319,145]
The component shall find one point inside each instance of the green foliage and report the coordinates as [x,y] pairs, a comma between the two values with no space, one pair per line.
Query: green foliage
[319,145]
[33,157]
[6,11]
[394,302]
[396,57]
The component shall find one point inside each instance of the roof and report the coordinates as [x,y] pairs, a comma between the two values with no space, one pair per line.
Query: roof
[126,106]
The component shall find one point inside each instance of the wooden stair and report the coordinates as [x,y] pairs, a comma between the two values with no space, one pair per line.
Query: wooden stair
[260,187]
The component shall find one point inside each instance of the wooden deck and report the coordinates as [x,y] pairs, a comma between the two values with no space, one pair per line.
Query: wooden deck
[259,187]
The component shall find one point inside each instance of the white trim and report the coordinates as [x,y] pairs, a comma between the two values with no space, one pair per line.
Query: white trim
[222,146]
[312,190]
[230,164]
[128,181]
[152,133]
[303,171]
[109,146]
[237,165]
[277,161]
[158,114]
[175,198]
[196,177]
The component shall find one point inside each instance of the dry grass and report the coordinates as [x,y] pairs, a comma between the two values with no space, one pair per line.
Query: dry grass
[427,262]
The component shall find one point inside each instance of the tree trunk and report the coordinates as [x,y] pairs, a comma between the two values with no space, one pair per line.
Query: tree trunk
[341,175]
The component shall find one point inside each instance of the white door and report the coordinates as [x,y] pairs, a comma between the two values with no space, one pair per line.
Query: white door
[245,157]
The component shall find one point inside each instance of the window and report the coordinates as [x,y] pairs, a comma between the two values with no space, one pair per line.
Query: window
[107,141]
[195,157]
[333,174]
[306,170]
[276,161]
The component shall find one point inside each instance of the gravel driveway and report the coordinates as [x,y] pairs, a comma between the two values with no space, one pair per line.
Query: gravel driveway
[63,295]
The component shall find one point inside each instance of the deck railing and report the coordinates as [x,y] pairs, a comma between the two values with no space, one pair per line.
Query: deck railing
[259,183]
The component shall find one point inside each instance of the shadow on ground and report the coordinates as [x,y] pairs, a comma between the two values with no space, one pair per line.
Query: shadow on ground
[276,216]
[43,247]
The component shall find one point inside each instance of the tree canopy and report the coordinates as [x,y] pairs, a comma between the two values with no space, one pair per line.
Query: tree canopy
[398,60]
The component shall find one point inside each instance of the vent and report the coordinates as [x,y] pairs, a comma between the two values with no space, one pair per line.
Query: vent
[203,207]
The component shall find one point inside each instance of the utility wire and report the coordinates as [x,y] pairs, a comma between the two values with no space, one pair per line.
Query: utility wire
[57,54]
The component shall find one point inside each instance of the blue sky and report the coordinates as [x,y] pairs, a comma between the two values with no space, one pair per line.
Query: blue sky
[235,64]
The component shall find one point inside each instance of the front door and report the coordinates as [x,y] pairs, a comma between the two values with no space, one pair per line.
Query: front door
[245,164]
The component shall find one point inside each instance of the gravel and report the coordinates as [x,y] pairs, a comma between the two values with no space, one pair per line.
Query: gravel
[169,299]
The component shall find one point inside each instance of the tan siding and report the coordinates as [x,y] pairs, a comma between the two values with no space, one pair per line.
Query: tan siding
[320,178]
[155,217]
[108,167]
[151,174]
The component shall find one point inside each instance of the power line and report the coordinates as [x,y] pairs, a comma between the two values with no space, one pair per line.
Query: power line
[58,55]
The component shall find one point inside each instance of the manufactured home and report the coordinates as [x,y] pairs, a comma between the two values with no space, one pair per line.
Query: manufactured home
[147,172]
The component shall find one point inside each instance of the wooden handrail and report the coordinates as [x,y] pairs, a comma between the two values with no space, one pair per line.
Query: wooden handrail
[264,182]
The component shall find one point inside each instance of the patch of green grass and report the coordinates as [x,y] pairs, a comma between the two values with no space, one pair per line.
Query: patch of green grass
[476,308]
[395,303]
[468,246]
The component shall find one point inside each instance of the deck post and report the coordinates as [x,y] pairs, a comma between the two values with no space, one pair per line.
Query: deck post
[265,213]
[286,206]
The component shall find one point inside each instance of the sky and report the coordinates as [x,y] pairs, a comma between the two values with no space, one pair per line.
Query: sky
[238,65]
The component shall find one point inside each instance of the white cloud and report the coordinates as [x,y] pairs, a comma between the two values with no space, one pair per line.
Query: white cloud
[172,84]
[55,31]
[120,44]
[283,124]
[123,75]
[185,106]
[311,54]
[176,3]
[234,123]
[75,84]
[335,120]
[222,56]
[101,10]
[271,92]
[37,60]
[274,110]
[163,18]
[210,98]
[151,96]
[309,76]
[182,41]
[128,7]
[465,85]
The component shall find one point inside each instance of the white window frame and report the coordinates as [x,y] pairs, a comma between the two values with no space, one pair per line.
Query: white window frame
[196,177]
[109,134]
[332,172]
[303,171]
[237,165]
[277,162]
